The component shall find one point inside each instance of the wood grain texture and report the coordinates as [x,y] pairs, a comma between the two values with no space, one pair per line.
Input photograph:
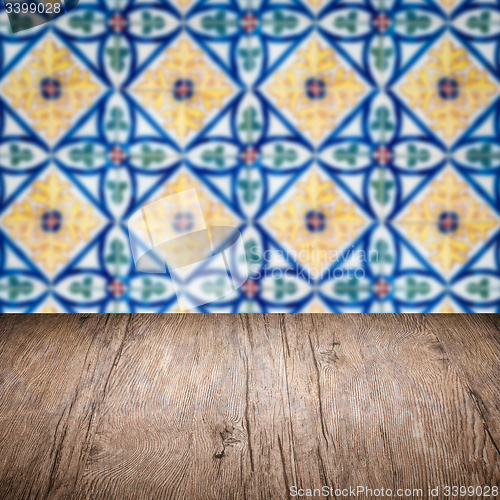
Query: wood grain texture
[245,406]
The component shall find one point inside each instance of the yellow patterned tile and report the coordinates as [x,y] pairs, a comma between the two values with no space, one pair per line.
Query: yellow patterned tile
[183,89]
[448,221]
[449,89]
[316,221]
[50,221]
[316,89]
[51,89]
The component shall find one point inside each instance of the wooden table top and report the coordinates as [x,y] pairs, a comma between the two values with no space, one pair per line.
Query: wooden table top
[195,406]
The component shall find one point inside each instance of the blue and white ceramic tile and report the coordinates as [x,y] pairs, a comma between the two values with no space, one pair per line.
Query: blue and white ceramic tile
[355,144]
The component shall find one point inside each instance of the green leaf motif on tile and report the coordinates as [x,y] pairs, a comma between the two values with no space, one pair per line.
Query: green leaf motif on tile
[249,188]
[217,23]
[19,22]
[349,22]
[484,156]
[117,255]
[217,287]
[252,257]
[83,22]
[383,254]
[413,288]
[117,57]
[216,156]
[349,287]
[381,56]
[349,155]
[85,155]
[149,155]
[84,288]
[415,155]
[281,22]
[18,155]
[481,23]
[414,22]
[249,57]
[250,123]
[382,189]
[482,288]
[282,288]
[117,189]
[15,287]
[149,288]
[281,155]
[116,122]
[382,121]
[150,23]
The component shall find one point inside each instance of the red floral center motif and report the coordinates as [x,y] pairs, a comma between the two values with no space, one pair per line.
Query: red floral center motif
[382,155]
[50,88]
[117,155]
[448,88]
[249,22]
[315,221]
[117,22]
[315,88]
[382,288]
[250,288]
[249,156]
[117,288]
[51,221]
[382,22]
[183,89]
[183,222]
[448,222]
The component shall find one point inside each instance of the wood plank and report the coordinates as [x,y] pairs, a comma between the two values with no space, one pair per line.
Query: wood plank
[245,406]
[54,373]
[393,406]
[175,413]
[472,343]
[317,400]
